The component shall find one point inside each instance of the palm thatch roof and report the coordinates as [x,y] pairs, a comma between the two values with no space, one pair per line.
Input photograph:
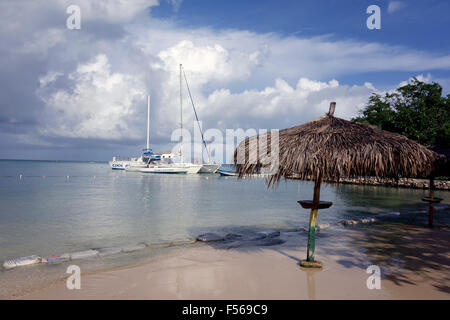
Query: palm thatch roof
[329,148]
[444,169]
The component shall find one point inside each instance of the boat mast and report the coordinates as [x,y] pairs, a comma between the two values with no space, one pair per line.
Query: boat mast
[181,114]
[148,122]
[198,121]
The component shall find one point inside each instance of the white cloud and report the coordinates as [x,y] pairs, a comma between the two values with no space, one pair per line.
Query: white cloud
[395,6]
[91,83]
[427,79]
[111,10]
[50,77]
[207,63]
[285,69]
[42,41]
[100,105]
[282,105]
[287,57]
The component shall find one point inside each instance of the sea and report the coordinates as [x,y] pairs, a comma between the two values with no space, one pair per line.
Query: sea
[56,207]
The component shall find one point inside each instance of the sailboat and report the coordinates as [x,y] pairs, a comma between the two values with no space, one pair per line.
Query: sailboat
[209,167]
[150,162]
[189,166]
[164,163]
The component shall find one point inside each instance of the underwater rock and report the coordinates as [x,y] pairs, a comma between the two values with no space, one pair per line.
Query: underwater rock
[322,226]
[269,233]
[319,227]
[367,220]
[109,251]
[271,242]
[348,222]
[210,237]
[254,236]
[233,236]
[294,230]
[357,221]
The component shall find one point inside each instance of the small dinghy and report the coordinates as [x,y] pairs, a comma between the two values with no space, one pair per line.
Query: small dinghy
[22,261]
[55,258]
[225,172]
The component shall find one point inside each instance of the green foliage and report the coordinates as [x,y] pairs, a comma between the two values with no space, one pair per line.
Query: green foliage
[416,110]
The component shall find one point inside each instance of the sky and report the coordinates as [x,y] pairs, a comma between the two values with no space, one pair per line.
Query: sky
[81,94]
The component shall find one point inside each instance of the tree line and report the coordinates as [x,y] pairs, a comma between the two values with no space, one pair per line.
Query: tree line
[416,110]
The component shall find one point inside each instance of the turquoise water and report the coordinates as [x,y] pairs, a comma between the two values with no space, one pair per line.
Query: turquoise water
[61,207]
[67,206]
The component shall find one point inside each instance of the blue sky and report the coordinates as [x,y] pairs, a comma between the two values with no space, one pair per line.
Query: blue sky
[81,94]
[413,23]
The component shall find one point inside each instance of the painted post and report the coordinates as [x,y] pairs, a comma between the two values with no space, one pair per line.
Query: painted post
[312,222]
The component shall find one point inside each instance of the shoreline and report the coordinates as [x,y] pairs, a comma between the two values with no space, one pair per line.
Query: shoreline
[406,183]
[415,265]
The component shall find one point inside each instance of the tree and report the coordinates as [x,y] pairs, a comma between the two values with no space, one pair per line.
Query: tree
[416,110]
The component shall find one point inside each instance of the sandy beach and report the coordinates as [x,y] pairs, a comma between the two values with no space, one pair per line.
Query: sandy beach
[414,263]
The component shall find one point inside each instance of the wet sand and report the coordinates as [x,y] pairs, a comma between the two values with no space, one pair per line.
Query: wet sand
[414,262]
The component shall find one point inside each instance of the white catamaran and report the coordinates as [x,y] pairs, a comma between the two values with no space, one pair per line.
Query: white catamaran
[149,162]
[165,162]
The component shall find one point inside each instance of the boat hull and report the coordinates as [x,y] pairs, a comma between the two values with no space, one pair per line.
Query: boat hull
[190,167]
[163,170]
[193,169]
[227,173]
[209,168]
[119,165]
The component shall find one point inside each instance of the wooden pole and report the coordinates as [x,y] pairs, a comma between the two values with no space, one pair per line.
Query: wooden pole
[312,221]
[431,204]
[431,201]
[331,110]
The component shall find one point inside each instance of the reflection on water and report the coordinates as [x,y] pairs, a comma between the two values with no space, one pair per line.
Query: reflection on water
[310,274]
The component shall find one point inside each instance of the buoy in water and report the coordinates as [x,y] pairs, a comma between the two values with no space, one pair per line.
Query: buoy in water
[22,261]
[55,258]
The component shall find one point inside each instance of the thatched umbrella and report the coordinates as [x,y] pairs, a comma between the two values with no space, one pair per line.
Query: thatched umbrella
[329,148]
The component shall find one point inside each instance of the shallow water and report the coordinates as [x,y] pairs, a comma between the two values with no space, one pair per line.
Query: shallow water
[63,207]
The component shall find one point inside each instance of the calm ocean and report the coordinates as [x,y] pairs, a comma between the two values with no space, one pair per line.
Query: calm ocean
[63,207]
